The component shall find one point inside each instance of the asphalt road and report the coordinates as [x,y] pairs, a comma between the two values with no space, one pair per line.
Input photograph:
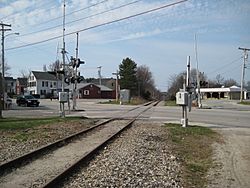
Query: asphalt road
[222,113]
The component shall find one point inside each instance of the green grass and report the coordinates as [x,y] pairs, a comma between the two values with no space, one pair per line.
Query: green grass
[193,147]
[21,130]
[244,102]
[170,103]
[21,123]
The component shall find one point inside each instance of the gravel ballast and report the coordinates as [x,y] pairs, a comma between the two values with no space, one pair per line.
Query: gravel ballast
[12,147]
[140,157]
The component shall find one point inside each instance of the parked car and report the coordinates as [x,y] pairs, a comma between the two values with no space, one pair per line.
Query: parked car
[27,100]
[8,102]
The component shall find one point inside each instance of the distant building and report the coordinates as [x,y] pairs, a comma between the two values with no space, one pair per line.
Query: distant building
[21,85]
[231,93]
[10,85]
[108,82]
[93,91]
[43,84]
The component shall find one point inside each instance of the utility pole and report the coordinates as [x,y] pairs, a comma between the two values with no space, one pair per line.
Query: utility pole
[197,75]
[245,57]
[188,72]
[2,91]
[62,111]
[63,49]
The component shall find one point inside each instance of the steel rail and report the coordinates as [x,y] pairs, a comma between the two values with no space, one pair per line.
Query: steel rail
[32,155]
[59,179]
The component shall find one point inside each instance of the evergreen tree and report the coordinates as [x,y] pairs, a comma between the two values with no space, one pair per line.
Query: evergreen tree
[127,71]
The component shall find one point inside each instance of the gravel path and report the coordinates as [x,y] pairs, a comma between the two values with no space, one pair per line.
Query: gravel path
[140,157]
[232,160]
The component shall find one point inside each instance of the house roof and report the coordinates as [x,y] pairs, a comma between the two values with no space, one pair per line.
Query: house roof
[222,89]
[104,88]
[44,75]
[22,81]
[9,78]
[82,85]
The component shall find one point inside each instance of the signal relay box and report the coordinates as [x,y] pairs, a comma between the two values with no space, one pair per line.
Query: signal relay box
[182,98]
[63,96]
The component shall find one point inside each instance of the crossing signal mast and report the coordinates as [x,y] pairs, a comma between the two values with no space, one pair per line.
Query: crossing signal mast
[75,63]
[197,74]
[184,96]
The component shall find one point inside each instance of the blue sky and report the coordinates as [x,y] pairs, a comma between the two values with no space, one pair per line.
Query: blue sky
[162,40]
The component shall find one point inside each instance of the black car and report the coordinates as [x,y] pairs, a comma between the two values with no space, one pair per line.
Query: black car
[27,100]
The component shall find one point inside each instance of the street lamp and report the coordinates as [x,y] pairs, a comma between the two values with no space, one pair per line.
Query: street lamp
[3,80]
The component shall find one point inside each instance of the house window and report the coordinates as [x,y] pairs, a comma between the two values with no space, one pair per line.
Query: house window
[42,83]
[54,84]
[32,84]
[51,84]
[46,84]
[86,92]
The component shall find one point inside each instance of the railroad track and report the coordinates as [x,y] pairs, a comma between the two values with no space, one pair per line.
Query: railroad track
[51,164]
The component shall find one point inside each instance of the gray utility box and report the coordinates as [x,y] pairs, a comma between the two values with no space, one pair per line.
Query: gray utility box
[63,97]
[125,95]
[182,98]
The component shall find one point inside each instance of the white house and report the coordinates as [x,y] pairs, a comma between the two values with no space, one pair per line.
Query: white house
[43,84]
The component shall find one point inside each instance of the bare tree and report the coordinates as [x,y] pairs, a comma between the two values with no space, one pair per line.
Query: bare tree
[24,73]
[212,83]
[145,81]
[54,66]
[219,80]
[6,67]
[44,68]
[175,83]
[230,82]
[193,77]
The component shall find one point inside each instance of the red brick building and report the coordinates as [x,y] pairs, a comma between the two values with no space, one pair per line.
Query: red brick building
[21,84]
[93,91]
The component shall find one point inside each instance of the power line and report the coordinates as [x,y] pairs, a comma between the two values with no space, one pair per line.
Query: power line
[59,17]
[231,70]
[102,24]
[93,15]
[224,66]
[42,5]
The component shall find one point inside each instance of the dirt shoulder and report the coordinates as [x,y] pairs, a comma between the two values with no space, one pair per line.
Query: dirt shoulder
[232,159]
